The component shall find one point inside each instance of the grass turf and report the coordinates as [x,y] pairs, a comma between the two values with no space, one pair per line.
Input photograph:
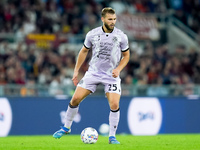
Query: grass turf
[128,142]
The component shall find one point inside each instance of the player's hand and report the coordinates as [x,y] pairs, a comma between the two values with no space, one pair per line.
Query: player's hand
[115,73]
[75,78]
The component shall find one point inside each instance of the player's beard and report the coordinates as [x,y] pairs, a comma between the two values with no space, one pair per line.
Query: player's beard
[107,27]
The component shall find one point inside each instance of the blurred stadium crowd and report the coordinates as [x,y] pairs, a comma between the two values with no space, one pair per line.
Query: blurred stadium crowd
[186,11]
[24,65]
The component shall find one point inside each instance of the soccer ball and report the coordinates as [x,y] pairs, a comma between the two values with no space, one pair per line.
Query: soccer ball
[89,135]
[104,129]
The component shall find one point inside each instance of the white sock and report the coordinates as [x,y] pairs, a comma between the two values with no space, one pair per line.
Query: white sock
[70,114]
[113,121]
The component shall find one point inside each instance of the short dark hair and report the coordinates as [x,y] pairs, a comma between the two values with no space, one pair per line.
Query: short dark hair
[107,10]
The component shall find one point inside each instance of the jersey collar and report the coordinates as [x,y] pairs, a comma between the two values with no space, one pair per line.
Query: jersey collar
[105,32]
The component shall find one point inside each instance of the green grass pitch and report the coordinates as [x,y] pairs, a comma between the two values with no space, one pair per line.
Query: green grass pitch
[128,142]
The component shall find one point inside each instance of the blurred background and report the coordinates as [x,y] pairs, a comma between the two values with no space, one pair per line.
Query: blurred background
[39,43]
[40,40]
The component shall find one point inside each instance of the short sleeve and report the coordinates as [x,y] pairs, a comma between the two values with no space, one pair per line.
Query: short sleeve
[87,42]
[124,43]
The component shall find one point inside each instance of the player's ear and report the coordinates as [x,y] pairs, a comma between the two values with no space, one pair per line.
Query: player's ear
[102,19]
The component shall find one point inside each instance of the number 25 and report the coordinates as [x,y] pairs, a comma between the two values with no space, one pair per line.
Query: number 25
[112,87]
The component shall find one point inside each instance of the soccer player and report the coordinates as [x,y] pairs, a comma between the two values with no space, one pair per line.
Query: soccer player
[110,54]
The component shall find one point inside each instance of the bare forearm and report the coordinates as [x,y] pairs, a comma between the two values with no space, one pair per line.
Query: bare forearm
[122,64]
[124,61]
[81,58]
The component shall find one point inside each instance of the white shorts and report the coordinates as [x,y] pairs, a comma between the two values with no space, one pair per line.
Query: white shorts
[90,82]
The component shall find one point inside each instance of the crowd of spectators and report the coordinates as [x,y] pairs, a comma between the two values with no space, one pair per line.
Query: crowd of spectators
[159,67]
[187,11]
[28,65]
[67,16]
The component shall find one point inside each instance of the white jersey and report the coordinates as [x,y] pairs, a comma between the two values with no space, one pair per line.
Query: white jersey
[106,50]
